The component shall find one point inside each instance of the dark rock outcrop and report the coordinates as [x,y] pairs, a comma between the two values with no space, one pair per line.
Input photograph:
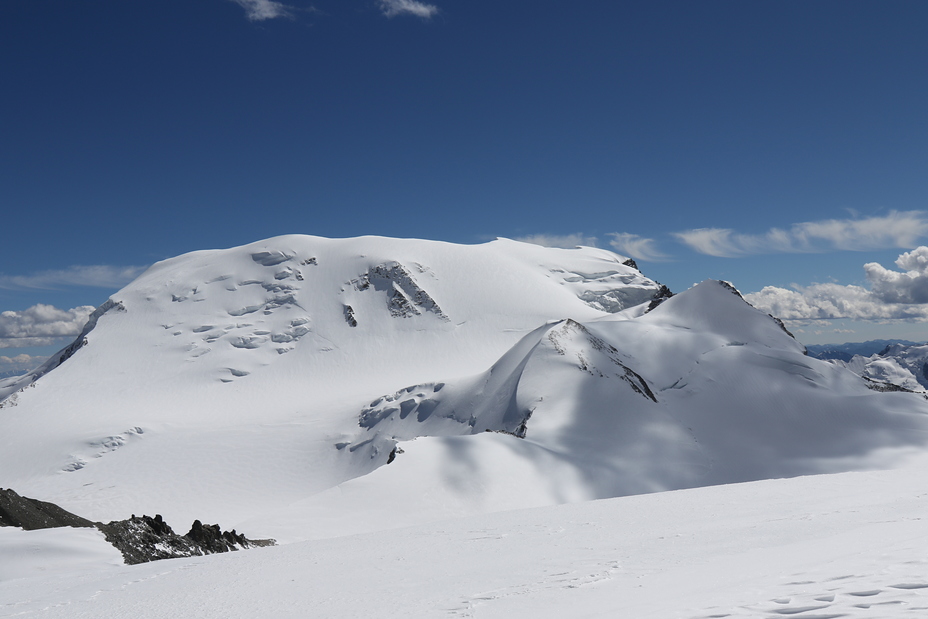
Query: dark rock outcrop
[140,539]
[663,293]
[211,539]
[883,386]
[31,514]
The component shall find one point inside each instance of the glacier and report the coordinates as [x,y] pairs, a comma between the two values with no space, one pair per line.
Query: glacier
[311,390]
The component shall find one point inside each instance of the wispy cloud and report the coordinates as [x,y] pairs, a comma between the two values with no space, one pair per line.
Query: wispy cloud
[567,241]
[638,247]
[897,229]
[633,245]
[20,364]
[392,8]
[260,10]
[41,325]
[893,295]
[93,276]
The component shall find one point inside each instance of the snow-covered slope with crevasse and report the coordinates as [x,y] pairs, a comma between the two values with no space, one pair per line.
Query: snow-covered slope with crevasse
[702,390]
[385,397]
[217,383]
[266,387]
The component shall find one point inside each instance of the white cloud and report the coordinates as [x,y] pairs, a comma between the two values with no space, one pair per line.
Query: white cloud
[567,241]
[897,229]
[638,247]
[829,302]
[20,363]
[892,295]
[94,276]
[908,287]
[392,8]
[260,10]
[26,342]
[41,325]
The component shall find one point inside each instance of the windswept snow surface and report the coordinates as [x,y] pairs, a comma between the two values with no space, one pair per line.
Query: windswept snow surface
[848,545]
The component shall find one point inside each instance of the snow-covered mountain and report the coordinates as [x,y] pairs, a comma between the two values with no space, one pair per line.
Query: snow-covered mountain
[304,388]
[904,365]
[267,386]
[248,365]
[847,350]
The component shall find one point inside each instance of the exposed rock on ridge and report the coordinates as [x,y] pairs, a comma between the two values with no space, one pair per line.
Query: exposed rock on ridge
[140,539]
[31,514]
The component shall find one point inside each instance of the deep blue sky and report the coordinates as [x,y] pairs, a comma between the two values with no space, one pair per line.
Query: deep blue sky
[135,131]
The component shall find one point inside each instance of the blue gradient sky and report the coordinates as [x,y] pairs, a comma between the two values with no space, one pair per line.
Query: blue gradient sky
[135,131]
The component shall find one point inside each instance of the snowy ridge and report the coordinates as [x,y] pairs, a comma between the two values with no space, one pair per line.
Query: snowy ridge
[492,402]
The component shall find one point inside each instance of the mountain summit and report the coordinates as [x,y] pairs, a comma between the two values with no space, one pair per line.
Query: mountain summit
[311,387]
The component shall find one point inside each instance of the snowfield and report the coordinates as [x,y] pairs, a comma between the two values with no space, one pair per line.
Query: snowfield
[846,545]
[440,430]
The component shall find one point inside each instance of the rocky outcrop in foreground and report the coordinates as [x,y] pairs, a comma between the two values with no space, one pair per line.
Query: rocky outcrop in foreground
[30,514]
[140,539]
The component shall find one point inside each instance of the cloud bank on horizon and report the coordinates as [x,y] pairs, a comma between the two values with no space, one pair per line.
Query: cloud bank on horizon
[44,324]
[893,295]
[19,364]
[41,325]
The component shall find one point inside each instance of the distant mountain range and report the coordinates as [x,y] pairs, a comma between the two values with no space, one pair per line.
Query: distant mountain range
[846,351]
[897,362]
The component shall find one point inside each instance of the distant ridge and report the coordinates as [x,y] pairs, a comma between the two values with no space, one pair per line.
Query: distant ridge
[847,350]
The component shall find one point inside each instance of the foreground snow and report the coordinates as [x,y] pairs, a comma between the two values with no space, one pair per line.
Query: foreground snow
[844,545]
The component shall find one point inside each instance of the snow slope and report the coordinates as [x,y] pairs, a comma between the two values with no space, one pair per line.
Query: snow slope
[264,387]
[848,545]
[702,390]
[216,384]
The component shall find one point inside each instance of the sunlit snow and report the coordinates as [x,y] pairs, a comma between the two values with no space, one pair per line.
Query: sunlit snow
[380,406]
